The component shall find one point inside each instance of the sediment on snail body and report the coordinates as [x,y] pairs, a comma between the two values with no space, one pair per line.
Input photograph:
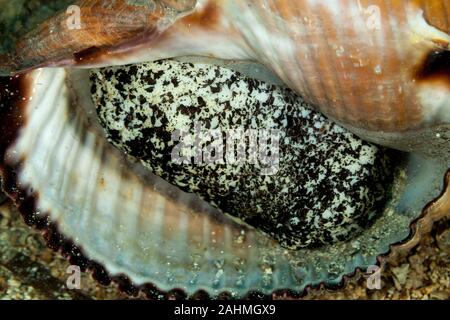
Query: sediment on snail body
[301,179]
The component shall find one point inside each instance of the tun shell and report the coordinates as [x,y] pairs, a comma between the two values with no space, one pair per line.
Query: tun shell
[379,67]
[58,167]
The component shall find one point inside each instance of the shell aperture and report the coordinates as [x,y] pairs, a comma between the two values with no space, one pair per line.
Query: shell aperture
[321,185]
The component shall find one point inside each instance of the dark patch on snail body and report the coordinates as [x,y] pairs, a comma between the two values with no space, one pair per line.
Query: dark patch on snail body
[329,185]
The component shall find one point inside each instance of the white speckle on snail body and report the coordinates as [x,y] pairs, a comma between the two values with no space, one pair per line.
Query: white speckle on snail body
[328,185]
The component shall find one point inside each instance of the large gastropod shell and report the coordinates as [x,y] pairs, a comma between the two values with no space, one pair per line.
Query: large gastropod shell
[386,84]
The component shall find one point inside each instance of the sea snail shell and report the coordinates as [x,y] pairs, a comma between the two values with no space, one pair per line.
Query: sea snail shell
[380,68]
[44,121]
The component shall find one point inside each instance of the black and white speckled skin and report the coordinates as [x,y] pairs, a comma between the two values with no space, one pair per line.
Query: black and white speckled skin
[329,184]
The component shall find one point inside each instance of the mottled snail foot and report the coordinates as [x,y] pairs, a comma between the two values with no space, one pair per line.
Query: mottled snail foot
[254,150]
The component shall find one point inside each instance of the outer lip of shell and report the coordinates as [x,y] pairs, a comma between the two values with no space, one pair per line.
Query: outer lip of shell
[27,204]
[434,211]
